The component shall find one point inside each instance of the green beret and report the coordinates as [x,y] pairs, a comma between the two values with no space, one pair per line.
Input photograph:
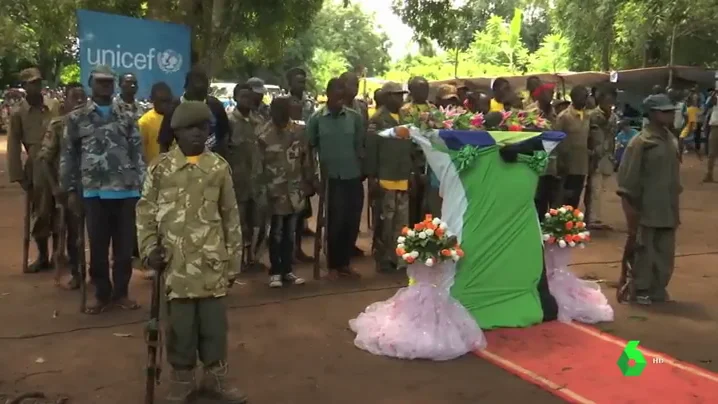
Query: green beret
[190,113]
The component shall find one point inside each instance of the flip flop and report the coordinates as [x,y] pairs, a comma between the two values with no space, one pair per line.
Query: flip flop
[96,308]
[126,304]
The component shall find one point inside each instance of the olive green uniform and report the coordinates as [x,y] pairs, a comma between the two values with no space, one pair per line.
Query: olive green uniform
[602,143]
[27,128]
[192,210]
[572,153]
[649,180]
[388,159]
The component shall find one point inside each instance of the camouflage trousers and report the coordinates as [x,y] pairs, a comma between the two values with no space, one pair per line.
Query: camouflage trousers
[390,217]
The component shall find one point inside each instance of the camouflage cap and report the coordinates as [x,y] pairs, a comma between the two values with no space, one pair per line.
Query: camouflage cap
[102,72]
[190,113]
[257,85]
[446,91]
[659,102]
[30,74]
[391,87]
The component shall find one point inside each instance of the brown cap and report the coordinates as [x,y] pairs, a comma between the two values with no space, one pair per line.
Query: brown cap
[391,87]
[446,91]
[190,113]
[30,74]
[102,72]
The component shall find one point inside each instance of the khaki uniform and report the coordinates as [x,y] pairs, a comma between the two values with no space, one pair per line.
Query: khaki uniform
[191,209]
[27,128]
[649,179]
[549,185]
[390,161]
[572,153]
[602,142]
[243,158]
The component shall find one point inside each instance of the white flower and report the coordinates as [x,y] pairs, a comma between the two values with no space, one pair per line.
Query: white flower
[453,253]
[436,221]
[547,215]
[422,235]
[572,244]
[442,226]
[562,243]
[562,210]
[429,262]
[586,233]
[401,239]
[414,254]
[546,237]
[400,246]
[580,216]
[455,257]
[582,245]
[411,233]
[429,232]
[406,255]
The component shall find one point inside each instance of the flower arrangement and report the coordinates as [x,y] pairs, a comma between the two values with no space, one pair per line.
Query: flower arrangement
[428,242]
[565,227]
[459,118]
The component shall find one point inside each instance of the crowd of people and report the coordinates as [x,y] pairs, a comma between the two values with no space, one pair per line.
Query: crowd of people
[193,192]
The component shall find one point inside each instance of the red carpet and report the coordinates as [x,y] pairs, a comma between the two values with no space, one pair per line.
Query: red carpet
[578,364]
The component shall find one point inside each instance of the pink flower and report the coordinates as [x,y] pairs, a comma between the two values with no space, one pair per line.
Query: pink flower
[521,115]
[507,115]
[477,120]
[448,124]
[541,123]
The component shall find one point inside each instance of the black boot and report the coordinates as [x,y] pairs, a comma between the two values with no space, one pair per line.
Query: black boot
[43,260]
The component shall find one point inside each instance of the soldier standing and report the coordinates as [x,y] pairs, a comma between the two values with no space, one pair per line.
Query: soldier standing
[101,170]
[243,158]
[351,82]
[549,183]
[649,185]
[259,90]
[419,90]
[48,160]
[188,227]
[297,81]
[572,152]
[126,101]
[28,122]
[288,175]
[390,164]
[602,143]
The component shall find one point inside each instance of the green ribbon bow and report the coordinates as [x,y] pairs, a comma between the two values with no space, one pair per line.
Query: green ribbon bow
[538,161]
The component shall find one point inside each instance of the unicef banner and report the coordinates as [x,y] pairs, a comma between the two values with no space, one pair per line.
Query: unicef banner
[152,50]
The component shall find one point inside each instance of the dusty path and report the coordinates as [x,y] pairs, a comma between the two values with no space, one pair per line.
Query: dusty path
[293,345]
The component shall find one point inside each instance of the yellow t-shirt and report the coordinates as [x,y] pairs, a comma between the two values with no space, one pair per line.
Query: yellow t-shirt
[496,106]
[691,121]
[149,125]
[401,185]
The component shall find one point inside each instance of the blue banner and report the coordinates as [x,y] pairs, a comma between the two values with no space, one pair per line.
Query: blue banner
[154,51]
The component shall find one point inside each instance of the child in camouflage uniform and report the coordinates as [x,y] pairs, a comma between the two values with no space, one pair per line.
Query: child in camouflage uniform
[188,228]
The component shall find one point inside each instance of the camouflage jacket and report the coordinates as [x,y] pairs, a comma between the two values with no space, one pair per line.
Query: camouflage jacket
[49,152]
[27,127]
[286,167]
[307,107]
[388,158]
[263,111]
[191,210]
[602,140]
[133,108]
[101,153]
[243,154]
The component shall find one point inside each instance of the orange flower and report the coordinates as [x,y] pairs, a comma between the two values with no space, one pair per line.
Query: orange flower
[576,212]
[404,231]
[459,252]
[402,132]
[431,226]
[587,238]
[553,212]
[569,225]
[409,260]
[419,226]
[445,252]
[428,218]
[580,225]
[551,240]
[400,251]
[439,232]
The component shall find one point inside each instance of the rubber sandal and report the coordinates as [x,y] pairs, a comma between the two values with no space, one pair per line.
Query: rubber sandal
[96,308]
[126,304]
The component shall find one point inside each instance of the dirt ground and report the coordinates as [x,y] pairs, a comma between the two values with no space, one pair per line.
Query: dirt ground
[293,346]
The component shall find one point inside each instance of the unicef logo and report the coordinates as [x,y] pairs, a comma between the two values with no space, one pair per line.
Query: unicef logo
[169,61]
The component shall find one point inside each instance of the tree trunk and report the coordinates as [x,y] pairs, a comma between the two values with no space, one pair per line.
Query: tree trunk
[456,63]
[672,55]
